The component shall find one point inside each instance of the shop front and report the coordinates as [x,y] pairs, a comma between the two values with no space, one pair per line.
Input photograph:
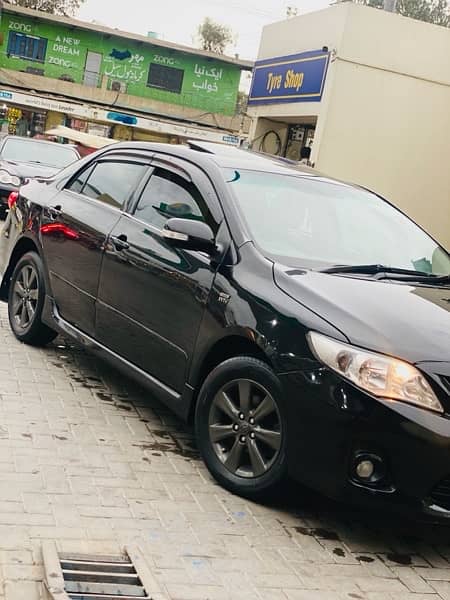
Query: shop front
[18,120]
[329,81]
[285,102]
[31,115]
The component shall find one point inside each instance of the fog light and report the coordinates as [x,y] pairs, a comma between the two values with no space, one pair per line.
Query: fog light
[365,469]
[368,468]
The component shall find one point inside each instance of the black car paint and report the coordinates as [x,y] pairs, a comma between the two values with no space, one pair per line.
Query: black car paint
[236,302]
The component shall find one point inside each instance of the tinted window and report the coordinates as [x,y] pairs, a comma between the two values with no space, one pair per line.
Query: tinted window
[49,154]
[77,184]
[113,182]
[167,195]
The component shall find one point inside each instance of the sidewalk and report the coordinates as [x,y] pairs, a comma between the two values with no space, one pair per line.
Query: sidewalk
[88,460]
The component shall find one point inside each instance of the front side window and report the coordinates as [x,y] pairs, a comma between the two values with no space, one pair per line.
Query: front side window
[112,182]
[168,195]
[314,222]
[28,47]
[77,184]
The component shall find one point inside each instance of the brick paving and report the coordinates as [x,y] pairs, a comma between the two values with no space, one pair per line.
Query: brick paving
[89,460]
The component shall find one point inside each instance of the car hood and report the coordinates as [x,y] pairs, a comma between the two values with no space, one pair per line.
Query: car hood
[26,169]
[410,321]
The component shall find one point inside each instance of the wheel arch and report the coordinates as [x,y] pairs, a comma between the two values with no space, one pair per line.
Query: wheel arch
[230,346]
[23,246]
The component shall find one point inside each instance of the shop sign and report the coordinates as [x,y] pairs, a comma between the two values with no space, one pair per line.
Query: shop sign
[98,114]
[42,103]
[164,127]
[294,78]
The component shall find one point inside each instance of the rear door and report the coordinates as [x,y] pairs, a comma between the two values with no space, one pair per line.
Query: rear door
[75,228]
[152,295]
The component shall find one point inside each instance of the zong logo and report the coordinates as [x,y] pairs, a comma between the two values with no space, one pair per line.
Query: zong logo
[163,60]
[15,26]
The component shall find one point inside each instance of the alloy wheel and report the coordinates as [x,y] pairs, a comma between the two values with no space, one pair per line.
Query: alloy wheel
[25,296]
[245,428]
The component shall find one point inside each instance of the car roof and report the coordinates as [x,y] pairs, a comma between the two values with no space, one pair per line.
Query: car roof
[226,156]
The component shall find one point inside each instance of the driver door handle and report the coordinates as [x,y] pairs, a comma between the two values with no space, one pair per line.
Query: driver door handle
[120,242]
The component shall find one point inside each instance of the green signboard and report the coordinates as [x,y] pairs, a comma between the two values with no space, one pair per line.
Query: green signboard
[132,67]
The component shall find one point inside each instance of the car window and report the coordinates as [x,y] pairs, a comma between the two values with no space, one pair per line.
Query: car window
[315,222]
[77,184]
[168,195]
[35,151]
[112,182]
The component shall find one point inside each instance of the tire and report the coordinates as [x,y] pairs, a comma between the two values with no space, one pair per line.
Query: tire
[26,302]
[240,413]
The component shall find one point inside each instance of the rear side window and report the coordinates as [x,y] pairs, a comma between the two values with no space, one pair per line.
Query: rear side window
[112,182]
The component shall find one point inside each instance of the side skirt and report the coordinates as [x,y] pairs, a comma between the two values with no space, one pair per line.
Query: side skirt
[178,403]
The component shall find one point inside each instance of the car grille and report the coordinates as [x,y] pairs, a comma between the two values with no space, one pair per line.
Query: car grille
[441,493]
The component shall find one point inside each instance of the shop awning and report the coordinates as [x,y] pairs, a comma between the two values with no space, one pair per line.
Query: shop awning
[86,139]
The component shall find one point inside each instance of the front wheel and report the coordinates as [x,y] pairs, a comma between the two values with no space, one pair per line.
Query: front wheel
[241,427]
[26,302]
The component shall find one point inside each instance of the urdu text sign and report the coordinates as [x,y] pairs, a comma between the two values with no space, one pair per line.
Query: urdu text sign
[294,78]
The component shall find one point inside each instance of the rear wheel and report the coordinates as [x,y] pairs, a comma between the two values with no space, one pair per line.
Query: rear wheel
[241,427]
[26,302]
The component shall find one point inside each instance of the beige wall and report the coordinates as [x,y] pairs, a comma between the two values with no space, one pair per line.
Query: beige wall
[384,120]
[392,134]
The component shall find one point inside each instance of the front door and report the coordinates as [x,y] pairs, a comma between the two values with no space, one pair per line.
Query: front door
[152,295]
[92,69]
[75,229]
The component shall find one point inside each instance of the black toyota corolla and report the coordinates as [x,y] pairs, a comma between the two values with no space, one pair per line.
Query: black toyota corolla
[302,323]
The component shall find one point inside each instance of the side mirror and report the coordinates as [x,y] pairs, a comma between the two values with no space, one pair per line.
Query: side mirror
[189,234]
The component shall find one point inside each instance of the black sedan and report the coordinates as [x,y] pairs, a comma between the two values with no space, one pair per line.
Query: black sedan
[21,158]
[302,323]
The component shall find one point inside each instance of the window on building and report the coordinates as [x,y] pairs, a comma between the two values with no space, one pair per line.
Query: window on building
[167,195]
[28,47]
[165,78]
[113,182]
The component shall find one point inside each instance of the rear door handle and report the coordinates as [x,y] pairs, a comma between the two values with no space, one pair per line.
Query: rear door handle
[120,242]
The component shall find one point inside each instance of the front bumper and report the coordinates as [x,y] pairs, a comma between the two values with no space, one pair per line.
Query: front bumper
[330,422]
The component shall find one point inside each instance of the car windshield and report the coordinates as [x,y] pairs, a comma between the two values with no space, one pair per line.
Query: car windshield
[48,154]
[316,223]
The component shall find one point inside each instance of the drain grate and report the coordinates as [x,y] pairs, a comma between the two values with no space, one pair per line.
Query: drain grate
[98,577]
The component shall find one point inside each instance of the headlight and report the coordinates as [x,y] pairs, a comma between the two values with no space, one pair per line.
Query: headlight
[378,374]
[9,179]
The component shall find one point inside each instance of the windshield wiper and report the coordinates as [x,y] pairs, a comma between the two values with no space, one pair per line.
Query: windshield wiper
[405,274]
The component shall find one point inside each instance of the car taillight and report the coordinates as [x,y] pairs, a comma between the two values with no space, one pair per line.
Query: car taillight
[12,199]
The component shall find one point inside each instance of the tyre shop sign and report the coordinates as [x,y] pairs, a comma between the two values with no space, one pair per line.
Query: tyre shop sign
[294,78]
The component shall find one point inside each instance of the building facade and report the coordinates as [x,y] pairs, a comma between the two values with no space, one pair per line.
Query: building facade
[369,92]
[67,61]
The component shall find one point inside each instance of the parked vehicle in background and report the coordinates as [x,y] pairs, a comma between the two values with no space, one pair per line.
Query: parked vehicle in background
[21,158]
[301,322]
